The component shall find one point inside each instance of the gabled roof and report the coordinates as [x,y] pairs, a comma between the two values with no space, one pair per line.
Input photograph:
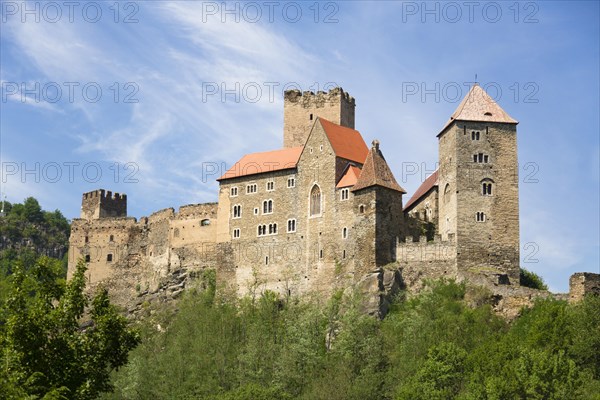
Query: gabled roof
[346,142]
[376,172]
[268,161]
[479,106]
[350,177]
[426,186]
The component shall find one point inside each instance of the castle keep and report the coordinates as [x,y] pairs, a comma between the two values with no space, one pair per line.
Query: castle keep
[325,212]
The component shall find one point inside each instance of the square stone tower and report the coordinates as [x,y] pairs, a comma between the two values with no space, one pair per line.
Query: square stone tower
[479,188]
[103,204]
[300,111]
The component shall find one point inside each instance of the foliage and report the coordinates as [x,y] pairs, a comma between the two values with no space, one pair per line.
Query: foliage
[46,353]
[431,346]
[531,280]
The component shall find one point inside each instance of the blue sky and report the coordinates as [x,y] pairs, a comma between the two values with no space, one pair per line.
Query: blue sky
[129,97]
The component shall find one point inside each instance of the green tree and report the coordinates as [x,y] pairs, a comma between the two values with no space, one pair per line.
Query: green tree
[46,352]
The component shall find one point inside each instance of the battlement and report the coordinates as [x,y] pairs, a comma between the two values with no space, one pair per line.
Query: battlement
[301,109]
[334,95]
[103,204]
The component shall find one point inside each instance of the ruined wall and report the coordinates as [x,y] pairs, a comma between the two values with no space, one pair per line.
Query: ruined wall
[582,284]
[300,110]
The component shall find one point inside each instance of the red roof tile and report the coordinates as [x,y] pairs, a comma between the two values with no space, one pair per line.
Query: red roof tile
[479,106]
[350,177]
[425,187]
[268,161]
[346,142]
[376,172]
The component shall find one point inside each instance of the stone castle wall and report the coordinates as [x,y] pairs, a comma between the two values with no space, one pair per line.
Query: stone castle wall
[102,204]
[582,284]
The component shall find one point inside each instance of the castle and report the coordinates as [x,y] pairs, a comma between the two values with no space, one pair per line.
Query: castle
[325,212]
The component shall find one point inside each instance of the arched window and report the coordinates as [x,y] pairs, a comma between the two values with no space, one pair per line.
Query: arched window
[480,216]
[345,233]
[267,206]
[206,222]
[237,211]
[315,200]
[486,187]
[361,209]
[447,193]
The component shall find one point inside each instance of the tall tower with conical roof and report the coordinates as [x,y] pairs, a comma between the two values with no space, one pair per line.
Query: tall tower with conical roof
[479,187]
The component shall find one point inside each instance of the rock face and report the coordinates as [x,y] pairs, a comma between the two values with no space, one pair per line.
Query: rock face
[378,289]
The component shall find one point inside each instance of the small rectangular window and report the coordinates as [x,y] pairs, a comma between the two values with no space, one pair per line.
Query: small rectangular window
[291,182]
[270,186]
[236,233]
[109,257]
[291,225]
[233,191]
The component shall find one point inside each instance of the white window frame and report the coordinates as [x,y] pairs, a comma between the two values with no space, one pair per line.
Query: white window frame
[238,231]
[345,192]
[272,184]
[269,209]
[291,179]
[344,233]
[294,223]
[233,189]
[253,186]
[239,213]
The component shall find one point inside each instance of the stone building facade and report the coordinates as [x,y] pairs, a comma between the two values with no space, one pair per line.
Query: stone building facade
[324,213]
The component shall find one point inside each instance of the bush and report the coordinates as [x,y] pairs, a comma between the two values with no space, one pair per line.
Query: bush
[531,280]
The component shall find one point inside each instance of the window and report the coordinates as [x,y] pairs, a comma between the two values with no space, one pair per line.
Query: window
[237,211]
[256,211]
[311,117]
[87,258]
[109,258]
[176,232]
[87,239]
[270,186]
[344,194]
[272,229]
[345,233]
[233,191]
[268,207]
[480,217]
[236,233]
[475,135]
[206,222]
[481,158]
[111,238]
[251,188]
[291,225]
[266,260]
[291,182]
[264,230]
[321,147]
[486,188]
[315,201]
[361,209]
[447,193]
[344,254]
[321,254]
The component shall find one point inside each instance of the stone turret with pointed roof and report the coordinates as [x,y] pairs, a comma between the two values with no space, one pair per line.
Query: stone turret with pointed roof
[478,186]
[376,172]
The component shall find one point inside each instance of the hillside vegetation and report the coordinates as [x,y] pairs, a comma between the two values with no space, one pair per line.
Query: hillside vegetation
[432,346]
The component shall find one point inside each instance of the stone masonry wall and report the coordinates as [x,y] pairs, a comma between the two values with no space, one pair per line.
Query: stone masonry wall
[302,109]
[583,283]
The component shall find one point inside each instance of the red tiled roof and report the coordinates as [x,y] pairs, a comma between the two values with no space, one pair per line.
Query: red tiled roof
[425,187]
[346,142]
[268,161]
[479,106]
[350,177]
[376,172]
